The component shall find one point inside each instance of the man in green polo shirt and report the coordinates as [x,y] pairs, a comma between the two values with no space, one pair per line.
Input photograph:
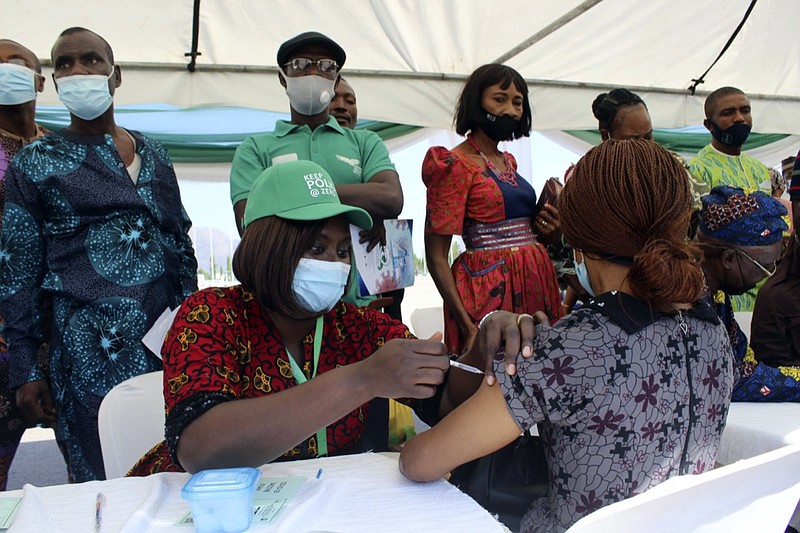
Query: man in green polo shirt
[357,160]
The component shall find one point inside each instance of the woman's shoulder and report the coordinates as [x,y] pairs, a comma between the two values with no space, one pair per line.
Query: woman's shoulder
[440,162]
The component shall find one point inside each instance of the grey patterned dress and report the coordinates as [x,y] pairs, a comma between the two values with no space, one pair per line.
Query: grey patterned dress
[625,398]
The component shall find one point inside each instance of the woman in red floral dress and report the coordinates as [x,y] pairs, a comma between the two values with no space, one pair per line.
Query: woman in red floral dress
[278,368]
[474,191]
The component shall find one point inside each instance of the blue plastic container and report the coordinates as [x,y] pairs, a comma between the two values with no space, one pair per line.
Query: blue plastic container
[222,499]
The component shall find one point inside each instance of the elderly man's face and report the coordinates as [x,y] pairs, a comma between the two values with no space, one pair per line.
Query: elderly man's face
[748,265]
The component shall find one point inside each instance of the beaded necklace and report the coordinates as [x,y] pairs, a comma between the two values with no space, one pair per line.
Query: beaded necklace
[509,176]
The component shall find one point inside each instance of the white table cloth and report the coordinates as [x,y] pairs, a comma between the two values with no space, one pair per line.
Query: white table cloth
[756,428]
[356,493]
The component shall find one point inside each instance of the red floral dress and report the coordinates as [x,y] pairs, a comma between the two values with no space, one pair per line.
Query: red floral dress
[223,346]
[520,279]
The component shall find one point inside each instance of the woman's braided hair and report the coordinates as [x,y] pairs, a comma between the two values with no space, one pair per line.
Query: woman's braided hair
[606,106]
[630,200]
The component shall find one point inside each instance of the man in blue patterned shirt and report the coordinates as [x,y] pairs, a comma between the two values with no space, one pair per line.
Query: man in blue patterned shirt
[94,220]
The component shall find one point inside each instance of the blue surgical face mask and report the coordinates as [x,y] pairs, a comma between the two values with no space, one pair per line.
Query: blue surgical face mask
[583,278]
[319,285]
[17,84]
[86,96]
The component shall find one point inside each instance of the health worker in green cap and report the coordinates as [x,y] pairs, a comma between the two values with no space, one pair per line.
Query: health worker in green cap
[278,368]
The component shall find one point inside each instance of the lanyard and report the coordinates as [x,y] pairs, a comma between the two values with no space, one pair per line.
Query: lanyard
[300,377]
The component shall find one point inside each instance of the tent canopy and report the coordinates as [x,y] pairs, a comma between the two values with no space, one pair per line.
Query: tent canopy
[407,59]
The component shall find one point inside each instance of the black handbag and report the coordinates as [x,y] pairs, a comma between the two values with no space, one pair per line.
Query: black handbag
[507,481]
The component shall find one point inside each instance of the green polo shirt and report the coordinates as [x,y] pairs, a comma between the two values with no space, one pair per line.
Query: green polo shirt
[350,156]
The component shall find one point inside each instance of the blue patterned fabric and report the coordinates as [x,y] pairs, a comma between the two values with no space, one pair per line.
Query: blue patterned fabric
[731,216]
[758,382]
[111,253]
[625,397]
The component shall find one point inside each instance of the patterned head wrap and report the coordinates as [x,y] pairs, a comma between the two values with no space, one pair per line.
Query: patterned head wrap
[731,216]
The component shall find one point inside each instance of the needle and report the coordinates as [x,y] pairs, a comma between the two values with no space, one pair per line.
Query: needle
[467,368]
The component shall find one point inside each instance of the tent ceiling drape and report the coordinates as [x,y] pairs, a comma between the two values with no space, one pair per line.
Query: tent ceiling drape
[408,58]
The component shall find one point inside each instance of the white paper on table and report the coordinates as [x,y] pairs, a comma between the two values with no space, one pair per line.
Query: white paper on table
[154,338]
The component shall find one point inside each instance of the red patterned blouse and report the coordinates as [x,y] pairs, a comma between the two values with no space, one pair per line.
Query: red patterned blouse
[223,346]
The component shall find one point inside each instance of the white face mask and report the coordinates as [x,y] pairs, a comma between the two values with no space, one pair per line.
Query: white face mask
[319,285]
[309,95]
[17,84]
[86,96]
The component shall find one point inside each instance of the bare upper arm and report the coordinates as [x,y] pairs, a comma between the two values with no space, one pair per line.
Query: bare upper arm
[479,426]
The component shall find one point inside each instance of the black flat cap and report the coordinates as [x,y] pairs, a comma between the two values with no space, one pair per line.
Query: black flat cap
[310,38]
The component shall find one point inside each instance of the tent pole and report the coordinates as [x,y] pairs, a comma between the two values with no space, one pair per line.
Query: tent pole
[556,25]
[195,37]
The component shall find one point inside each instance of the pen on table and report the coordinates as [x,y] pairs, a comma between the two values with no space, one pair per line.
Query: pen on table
[467,368]
[98,511]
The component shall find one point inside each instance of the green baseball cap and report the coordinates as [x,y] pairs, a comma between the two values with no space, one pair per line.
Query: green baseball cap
[299,190]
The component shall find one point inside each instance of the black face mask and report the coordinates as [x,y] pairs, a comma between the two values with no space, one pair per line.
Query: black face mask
[735,135]
[498,128]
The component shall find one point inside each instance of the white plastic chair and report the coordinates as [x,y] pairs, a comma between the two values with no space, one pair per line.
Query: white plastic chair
[425,321]
[131,421]
[756,494]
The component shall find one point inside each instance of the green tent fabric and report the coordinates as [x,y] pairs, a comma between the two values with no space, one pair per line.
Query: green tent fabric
[684,140]
[202,134]
[211,134]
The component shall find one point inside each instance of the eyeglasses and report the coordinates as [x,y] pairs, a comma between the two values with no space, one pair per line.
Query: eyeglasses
[301,64]
[16,61]
[766,271]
